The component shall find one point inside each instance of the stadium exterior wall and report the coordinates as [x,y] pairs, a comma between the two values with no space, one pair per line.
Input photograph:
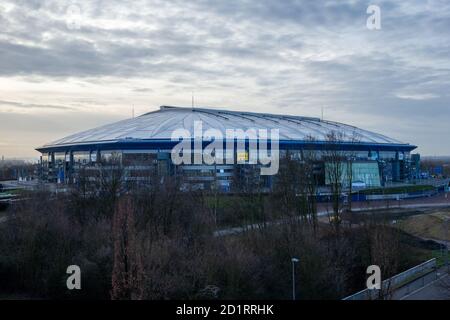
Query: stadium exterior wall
[61,160]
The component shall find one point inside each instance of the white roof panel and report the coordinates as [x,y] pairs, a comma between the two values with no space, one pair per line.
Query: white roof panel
[160,125]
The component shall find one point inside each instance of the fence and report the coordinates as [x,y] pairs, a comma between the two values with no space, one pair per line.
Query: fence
[399,280]
[397,196]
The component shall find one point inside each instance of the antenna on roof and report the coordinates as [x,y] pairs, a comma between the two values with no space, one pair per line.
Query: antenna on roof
[192,99]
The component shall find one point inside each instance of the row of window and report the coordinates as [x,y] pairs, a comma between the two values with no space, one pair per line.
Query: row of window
[150,157]
[86,157]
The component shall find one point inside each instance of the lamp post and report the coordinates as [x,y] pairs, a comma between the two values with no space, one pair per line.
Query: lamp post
[447,221]
[294,261]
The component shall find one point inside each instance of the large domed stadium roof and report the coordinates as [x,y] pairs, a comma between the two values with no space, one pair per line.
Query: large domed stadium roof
[159,125]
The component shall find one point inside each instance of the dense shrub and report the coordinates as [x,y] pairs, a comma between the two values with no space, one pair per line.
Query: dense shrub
[158,243]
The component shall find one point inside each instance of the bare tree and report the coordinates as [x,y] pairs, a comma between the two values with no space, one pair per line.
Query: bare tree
[339,158]
[110,182]
[287,187]
[351,156]
[248,185]
[384,250]
[296,186]
[334,158]
[127,271]
[310,181]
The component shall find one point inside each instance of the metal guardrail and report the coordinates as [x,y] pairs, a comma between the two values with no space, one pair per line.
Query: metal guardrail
[396,281]
[398,196]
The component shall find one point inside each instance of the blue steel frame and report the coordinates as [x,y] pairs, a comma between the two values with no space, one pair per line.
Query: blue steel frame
[165,144]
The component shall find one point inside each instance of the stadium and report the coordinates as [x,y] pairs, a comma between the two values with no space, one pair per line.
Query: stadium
[142,145]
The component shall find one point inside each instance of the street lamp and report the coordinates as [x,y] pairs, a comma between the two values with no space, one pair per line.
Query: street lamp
[447,221]
[294,261]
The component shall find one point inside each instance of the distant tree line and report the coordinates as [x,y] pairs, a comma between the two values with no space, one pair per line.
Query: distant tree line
[13,169]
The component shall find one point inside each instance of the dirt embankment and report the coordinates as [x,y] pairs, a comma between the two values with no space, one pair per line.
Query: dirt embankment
[430,225]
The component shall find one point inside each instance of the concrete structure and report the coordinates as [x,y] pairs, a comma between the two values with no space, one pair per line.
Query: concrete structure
[143,144]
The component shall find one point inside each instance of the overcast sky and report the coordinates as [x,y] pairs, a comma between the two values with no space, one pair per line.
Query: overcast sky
[67,66]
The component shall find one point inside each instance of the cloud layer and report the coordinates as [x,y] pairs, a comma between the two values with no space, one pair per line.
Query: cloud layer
[63,62]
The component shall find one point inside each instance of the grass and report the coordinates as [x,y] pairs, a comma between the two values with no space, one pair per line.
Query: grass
[430,226]
[441,257]
[222,201]
[10,192]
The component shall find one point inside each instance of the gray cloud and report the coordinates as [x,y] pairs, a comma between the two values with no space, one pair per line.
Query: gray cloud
[279,56]
[32,105]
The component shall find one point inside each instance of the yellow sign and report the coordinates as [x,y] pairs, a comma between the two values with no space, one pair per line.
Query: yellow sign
[242,156]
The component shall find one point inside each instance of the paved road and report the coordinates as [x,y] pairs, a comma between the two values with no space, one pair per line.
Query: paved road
[438,201]
[439,289]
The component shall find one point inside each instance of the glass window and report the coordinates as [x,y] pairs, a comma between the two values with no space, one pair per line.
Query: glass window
[387,155]
[138,159]
[111,156]
[367,173]
[93,156]
[60,158]
[81,157]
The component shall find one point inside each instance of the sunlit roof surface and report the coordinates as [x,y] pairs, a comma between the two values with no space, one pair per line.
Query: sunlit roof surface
[160,124]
